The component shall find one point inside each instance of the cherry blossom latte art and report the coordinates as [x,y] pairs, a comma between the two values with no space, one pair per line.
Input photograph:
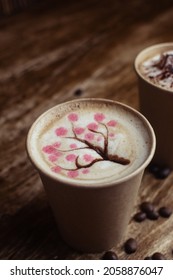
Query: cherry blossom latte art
[90,142]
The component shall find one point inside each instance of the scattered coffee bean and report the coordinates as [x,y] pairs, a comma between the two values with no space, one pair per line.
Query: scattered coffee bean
[153,215]
[158,256]
[130,246]
[147,207]
[78,92]
[109,255]
[153,168]
[139,217]
[148,258]
[163,172]
[165,212]
[160,172]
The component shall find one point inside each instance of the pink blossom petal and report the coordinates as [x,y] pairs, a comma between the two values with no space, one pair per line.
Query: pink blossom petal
[88,158]
[61,131]
[112,123]
[53,158]
[57,144]
[99,138]
[89,136]
[79,130]
[92,126]
[56,169]
[85,171]
[72,173]
[49,149]
[99,117]
[111,135]
[73,146]
[57,153]
[73,117]
[71,157]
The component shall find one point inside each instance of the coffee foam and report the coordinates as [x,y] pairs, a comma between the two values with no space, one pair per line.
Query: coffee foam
[89,142]
[155,74]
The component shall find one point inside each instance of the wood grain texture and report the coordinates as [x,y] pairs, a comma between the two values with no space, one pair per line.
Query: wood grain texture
[47,53]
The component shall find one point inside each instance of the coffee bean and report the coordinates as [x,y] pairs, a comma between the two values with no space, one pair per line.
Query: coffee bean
[159,171]
[148,258]
[153,215]
[147,207]
[78,92]
[130,246]
[165,212]
[139,217]
[158,256]
[109,255]
[153,168]
[163,172]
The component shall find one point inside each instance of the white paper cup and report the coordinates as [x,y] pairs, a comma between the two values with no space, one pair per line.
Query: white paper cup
[92,218]
[156,103]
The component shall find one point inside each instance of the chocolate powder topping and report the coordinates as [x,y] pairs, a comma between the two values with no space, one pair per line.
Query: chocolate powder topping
[165,64]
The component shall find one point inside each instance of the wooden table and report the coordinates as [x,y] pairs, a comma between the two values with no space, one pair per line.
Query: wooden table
[55,52]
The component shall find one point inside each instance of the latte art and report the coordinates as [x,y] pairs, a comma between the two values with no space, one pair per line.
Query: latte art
[85,140]
[90,142]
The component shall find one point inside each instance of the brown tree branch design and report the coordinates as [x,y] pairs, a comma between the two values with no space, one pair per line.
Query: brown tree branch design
[102,152]
[93,137]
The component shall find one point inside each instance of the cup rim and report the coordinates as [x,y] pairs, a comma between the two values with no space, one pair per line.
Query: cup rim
[147,50]
[96,185]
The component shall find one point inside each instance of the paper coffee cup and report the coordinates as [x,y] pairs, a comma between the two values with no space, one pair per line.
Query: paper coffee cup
[92,213]
[156,103]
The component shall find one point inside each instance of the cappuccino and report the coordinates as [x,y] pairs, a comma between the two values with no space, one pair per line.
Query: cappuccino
[154,69]
[90,142]
[159,69]
[91,154]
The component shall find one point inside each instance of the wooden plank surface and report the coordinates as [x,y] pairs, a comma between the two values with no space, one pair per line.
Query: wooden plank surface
[47,53]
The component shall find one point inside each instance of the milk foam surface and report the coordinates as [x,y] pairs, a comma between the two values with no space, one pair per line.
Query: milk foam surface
[90,142]
[159,69]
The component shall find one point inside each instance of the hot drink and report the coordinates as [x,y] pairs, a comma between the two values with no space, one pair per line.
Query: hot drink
[154,69]
[159,69]
[90,142]
[91,155]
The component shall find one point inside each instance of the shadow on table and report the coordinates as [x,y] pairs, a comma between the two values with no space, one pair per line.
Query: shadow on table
[32,234]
